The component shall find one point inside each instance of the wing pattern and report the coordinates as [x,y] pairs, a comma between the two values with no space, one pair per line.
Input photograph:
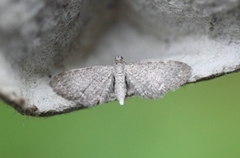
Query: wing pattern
[152,79]
[86,86]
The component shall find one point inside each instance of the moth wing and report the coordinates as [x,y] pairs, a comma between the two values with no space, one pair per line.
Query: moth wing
[152,80]
[86,86]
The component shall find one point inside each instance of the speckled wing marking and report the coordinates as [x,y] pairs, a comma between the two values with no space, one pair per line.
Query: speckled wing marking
[86,86]
[151,80]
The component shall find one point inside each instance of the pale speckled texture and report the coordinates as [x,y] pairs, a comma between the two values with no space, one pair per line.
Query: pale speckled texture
[100,84]
[40,38]
[86,86]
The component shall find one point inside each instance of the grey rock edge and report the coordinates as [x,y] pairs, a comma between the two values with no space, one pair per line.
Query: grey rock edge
[40,38]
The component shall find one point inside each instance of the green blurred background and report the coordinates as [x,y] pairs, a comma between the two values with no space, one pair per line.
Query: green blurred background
[200,120]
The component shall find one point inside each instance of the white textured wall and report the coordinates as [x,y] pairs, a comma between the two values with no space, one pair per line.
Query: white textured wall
[39,38]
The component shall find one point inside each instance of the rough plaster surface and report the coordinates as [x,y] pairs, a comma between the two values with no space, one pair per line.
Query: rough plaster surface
[40,38]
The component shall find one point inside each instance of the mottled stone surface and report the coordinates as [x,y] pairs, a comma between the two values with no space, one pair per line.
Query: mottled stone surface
[40,38]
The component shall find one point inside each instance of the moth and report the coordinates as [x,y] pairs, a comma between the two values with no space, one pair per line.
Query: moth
[95,85]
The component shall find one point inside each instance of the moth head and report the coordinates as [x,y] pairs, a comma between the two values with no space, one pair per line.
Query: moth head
[118,59]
